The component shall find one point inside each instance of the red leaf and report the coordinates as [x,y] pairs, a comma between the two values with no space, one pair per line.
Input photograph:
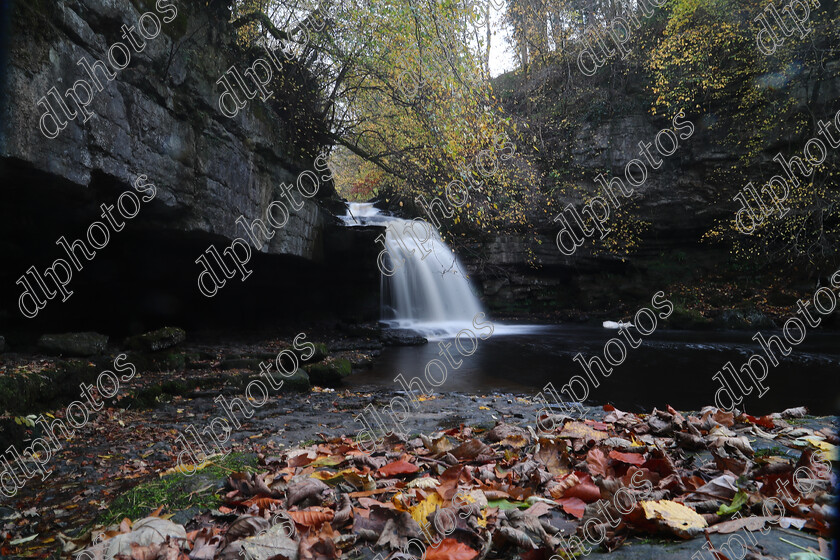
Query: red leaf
[586,490]
[764,421]
[450,549]
[398,467]
[573,506]
[629,458]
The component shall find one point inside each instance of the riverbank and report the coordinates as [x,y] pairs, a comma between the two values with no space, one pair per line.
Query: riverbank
[112,468]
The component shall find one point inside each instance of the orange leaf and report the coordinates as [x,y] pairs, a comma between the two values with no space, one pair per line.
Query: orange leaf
[629,458]
[450,549]
[262,502]
[598,463]
[312,517]
[398,467]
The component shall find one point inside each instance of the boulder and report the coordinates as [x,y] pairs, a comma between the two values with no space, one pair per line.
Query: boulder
[321,353]
[297,382]
[329,373]
[154,341]
[402,337]
[74,344]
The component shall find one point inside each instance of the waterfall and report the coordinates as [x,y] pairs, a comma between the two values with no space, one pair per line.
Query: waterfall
[428,291]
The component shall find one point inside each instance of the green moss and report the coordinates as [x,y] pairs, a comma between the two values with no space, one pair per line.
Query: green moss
[770,452]
[330,372]
[178,492]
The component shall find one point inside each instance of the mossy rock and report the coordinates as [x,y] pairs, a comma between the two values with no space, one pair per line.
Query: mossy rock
[299,382]
[329,373]
[27,393]
[321,353]
[158,340]
[179,491]
[73,344]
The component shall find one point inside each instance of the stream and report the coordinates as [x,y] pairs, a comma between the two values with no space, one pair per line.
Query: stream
[425,290]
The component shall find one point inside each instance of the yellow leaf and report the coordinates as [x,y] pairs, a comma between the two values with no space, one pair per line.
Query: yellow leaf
[424,508]
[681,519]
[185,469]
[328,476]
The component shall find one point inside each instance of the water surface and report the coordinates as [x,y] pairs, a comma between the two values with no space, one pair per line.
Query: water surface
[670,367]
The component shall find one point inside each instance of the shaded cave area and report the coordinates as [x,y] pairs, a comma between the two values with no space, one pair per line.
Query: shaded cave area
[146,276]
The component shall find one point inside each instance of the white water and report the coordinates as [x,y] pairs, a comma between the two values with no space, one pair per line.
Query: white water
[428,291]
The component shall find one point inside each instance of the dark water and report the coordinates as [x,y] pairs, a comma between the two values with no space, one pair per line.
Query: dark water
[670,367]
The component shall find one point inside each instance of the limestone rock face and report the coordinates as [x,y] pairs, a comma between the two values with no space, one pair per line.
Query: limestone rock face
[159,117]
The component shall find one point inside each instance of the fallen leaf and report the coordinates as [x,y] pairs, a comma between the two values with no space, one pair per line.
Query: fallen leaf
[312,517]
[579,430]
[397,468]
[450,549]
[422,510]
[679,519]
[630,458]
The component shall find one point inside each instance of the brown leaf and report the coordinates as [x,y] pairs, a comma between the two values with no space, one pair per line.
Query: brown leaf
[517,537]
[320,546]
[471,450]
[403,527]
[502,432]
[304,488]
[553,455]
[246,526]
[439,446]
[345,511]
[598,463]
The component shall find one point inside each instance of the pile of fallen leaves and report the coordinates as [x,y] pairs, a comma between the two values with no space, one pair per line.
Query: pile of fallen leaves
[467,493]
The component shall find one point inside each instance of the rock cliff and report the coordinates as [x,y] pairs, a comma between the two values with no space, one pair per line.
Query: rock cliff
[159,118]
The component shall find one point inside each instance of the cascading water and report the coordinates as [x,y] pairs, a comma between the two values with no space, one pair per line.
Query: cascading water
[428,291]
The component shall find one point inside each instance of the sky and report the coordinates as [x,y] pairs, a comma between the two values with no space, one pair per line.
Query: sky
[501,57]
